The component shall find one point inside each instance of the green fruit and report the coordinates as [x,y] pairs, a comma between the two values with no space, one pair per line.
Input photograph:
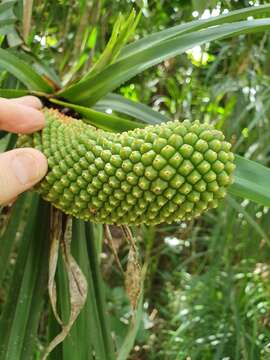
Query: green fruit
[163,173]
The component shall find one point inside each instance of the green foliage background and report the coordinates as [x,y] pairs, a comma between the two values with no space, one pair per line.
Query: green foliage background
[207,285]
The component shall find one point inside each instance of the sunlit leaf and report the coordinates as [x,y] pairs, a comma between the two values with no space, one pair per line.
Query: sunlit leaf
[135,109]
[123,29]
[192,26]
[89,91]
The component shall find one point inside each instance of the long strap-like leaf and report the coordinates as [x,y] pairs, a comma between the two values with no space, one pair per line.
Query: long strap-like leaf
[23,72]
[196,25]
[89,91]
[135,109]
[252,181]
[21,312]
[101,119]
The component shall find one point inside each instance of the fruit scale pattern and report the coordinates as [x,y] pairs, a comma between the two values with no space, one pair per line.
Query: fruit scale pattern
[162,173]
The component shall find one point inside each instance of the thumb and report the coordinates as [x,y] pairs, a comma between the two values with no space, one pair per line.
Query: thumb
[20,169]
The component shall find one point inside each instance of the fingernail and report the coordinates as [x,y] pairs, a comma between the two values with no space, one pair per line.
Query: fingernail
[25,168]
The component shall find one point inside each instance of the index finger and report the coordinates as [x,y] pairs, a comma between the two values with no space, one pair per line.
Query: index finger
[28,100]
[21,115]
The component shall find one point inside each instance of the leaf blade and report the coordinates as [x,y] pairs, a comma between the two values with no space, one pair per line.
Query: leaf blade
[251,181]
[137,110]
[8,237]
[13,93]
[100,119]
[88,92]
[6,6]
[152,39]
[23,72]
[18,326]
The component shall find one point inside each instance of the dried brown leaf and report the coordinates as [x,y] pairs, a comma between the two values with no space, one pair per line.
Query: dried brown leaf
[77,286]
[56,230]
[133,274]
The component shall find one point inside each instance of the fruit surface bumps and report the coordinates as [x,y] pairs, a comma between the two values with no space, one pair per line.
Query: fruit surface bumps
[162,173]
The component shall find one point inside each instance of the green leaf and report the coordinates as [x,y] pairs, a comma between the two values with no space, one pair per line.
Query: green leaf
[13,37]
[23,72]
[7,141]
[251,181]
[100,119]
[4,140]
[6,30]
[7,22]
[89,91]
[12,142]
[192,26]
[19,320]
[6,6]
[6,12]
[94,344]
[7,239]
[92,39]
[43,68]
[135,109]
[13,93]
[130,338]
[122,31]
[39,269]
[89,318]
[94,260]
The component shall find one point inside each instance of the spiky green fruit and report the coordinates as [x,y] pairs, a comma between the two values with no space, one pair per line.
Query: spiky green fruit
[161,173]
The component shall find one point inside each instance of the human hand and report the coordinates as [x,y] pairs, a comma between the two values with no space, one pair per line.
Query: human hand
[20,169]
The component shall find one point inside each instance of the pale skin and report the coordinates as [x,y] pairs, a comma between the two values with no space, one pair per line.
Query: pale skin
[20,169]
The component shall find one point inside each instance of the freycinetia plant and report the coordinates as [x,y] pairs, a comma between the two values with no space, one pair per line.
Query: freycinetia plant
[130,167]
